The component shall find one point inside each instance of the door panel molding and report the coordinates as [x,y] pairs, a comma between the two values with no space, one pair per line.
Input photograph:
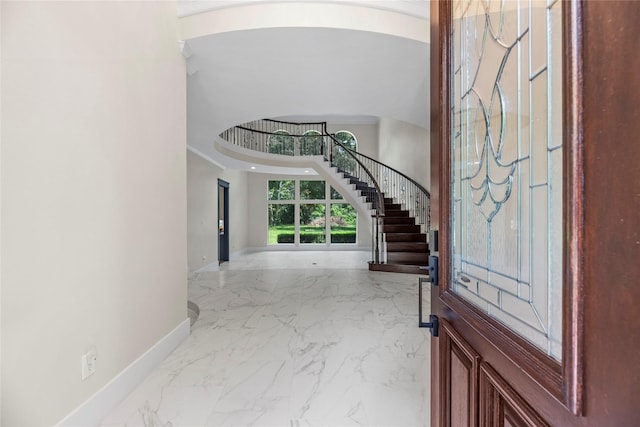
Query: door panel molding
[500,405]
[459,361]
[562,380]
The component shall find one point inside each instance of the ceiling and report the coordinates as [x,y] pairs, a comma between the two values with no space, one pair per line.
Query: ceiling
[310,73]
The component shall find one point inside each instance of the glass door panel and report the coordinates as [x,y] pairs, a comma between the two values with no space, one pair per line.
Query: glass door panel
[507,164]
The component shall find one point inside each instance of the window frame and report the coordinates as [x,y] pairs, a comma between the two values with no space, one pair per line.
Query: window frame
[297,201]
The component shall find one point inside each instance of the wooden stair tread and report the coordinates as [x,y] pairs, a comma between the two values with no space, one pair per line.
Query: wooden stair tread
[397,268]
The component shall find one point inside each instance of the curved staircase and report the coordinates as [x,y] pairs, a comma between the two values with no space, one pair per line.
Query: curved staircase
[405,246]
[399,206]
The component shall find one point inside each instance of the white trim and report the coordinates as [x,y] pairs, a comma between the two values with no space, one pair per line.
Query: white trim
[214,266]
[94,409]
[240,252]
[204,156]
[283,247]
[410,7]
[306,14]
[319,247]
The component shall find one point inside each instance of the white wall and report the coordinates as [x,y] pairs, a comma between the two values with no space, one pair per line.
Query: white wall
[202,210]
[0,224]
[94,200]
[238,209]
[258,219]
[405,147]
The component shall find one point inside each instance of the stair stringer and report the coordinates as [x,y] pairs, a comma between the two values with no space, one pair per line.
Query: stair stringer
[348,190]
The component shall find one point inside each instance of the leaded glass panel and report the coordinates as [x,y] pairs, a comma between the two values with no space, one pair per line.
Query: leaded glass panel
[506,154]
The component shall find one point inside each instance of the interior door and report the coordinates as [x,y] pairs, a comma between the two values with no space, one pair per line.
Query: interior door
[223,221]
[535,194]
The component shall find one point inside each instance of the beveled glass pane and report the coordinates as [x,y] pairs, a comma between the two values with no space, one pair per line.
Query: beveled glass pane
[506,153]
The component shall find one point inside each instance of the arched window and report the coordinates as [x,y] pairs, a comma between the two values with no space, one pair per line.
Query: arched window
[348,139]
[341,159]
[281,142]
[311,143]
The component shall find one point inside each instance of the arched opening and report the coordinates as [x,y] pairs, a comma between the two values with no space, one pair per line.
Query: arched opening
[311,143]
[341,159]
[281,142]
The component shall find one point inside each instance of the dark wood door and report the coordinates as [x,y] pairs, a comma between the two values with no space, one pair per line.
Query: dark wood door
[578,363]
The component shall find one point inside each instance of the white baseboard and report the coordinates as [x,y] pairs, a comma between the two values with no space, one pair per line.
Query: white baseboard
[344,247]
[241,252]
[98,406]
[214,266]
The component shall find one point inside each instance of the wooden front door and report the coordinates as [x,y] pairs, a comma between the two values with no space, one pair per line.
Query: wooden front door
[535,174]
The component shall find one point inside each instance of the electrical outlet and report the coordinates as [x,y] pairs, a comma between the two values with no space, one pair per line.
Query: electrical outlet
[89,363]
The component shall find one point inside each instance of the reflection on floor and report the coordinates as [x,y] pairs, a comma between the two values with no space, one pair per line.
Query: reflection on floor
[293,339]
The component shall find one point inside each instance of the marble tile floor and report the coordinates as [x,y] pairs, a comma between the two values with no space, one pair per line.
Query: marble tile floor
[292,339]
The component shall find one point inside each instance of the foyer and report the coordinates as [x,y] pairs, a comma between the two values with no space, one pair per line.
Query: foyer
[292,339]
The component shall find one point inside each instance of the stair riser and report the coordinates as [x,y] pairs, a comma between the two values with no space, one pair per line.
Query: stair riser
[405,237]
[399,220]
[407,247]
[394,214]
[364,187]
[392,207]
[408,258]
[401,228]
